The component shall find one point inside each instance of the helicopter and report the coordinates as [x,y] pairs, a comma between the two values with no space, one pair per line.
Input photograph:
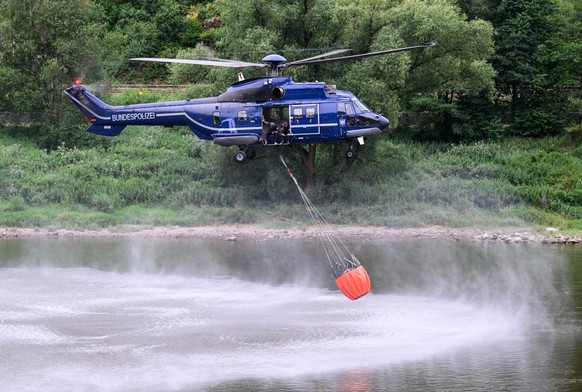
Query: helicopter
[273,110]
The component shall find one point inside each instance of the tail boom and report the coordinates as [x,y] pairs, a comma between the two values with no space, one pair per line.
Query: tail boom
[110,120]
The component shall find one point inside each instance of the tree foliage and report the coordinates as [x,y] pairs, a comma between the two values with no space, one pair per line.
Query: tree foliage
[44,46]
[527,32]
[520,51]
[523,57]
[425,80]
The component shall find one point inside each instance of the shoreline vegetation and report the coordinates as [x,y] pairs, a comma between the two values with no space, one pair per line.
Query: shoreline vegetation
[152,181]
[485,131]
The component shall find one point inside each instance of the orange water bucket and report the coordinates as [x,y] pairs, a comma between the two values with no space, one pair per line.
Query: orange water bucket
[354,283]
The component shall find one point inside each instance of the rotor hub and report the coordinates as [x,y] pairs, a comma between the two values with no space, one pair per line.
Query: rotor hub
[274,62]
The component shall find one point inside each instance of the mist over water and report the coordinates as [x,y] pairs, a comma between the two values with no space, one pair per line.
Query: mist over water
[522,280]
[177,315]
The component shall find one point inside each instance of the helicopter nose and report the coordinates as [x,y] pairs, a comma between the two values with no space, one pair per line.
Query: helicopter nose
[383,122]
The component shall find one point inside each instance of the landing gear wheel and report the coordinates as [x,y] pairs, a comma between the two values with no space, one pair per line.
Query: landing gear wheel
[240,156]
[351,154]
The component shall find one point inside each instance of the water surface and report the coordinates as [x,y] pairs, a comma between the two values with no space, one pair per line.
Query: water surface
[196,315]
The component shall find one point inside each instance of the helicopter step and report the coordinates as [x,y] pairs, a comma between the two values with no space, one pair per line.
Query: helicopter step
[282,143]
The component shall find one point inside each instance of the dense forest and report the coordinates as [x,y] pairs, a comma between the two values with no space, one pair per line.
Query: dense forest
[486,123]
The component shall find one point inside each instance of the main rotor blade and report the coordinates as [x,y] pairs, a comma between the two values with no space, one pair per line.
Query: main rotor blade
[363,55]
[215,63]
[333,52]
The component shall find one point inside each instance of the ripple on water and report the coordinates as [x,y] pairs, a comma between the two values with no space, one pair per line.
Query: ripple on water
[154,329]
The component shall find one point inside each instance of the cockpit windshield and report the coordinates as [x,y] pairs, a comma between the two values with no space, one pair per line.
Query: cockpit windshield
[360,107]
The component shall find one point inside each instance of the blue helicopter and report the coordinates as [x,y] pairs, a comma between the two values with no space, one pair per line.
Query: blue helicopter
[267,111]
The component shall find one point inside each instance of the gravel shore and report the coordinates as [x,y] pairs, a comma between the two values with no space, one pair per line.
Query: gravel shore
[261,233]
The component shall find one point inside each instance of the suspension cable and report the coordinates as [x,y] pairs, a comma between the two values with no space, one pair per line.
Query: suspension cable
[338,254]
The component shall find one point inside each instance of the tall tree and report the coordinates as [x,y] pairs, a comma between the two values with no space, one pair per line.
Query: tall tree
[537,58]
[45,45]
[562,56]
[430,80]
[457,65]
[48,44]
[522,28]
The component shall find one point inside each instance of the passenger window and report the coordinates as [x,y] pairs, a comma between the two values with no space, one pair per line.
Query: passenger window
[216,118]
[310,112]
[275,113]
[242,115]
[297,112]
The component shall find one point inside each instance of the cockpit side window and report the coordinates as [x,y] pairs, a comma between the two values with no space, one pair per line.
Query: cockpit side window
[360,107]
[344,108]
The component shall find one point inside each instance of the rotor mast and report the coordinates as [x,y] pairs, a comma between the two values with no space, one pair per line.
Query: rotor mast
[273,63]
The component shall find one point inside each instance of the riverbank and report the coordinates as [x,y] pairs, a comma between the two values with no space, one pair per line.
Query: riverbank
[151,177]
[263,233]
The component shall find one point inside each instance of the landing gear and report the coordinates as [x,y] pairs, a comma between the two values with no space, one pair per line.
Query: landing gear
[351,153]
[240,156]
[245,152]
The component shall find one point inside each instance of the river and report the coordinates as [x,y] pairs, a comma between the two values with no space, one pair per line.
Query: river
[209,315]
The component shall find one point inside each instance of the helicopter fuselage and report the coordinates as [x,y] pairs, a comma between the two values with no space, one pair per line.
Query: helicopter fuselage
[255,112]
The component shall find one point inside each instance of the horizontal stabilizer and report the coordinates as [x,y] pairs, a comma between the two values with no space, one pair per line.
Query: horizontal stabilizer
[105,129]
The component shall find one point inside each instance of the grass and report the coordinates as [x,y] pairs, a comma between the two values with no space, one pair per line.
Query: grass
[156,176]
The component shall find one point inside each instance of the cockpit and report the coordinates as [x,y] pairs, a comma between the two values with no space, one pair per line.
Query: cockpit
[352,107]
[360,107]
[357,114]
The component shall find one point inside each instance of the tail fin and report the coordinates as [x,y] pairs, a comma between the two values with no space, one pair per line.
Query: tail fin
[95,110]
[90,105]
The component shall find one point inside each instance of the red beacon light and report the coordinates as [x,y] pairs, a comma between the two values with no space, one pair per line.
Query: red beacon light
[77,82]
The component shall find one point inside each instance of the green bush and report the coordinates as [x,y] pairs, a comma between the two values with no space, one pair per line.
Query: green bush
[160,176]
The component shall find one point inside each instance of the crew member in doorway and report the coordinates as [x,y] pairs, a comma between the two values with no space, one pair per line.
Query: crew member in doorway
[269,128]
[284,132]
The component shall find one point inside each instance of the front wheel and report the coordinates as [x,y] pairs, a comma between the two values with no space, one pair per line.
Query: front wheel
[350,154]
[240,156]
